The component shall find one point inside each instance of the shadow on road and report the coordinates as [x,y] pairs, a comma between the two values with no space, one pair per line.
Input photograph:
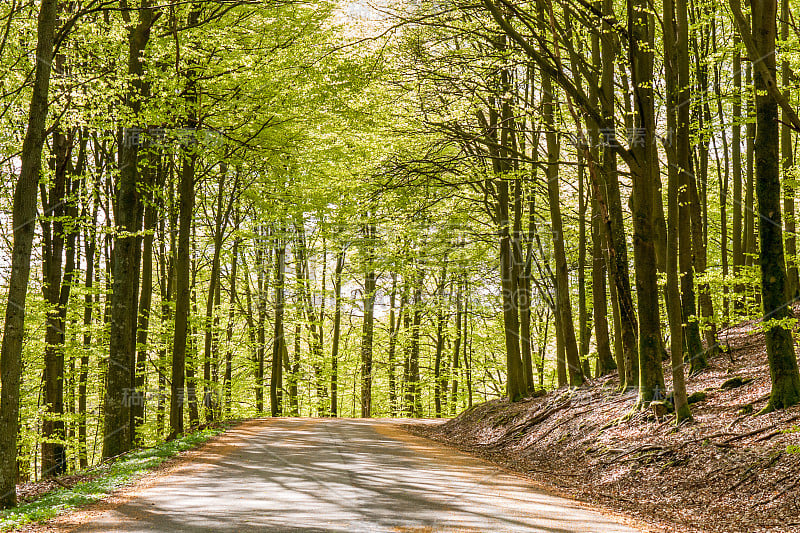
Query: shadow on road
[322,475]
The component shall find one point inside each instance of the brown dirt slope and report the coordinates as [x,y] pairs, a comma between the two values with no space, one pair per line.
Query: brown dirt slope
[730,470]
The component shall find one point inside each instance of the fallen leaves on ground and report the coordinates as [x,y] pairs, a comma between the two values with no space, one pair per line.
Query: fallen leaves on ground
[728,470]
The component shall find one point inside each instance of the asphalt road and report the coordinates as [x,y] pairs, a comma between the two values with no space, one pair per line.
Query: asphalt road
[323,475]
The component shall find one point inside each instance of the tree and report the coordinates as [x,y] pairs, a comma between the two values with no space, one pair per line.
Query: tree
[780,346]
[124,297]
[23,218]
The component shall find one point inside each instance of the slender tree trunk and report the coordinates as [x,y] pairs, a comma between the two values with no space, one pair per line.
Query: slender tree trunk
[585,333]
[457,341]
[276,378]
[406,313]
[682,156]
[607,192]
[54,243]
[90,300]
[675,46]
[792,281]
[260,334]
[724,186]
[182,295]
[186,195]
[605,359]
[234,297]
[369,321]
[561,357]
[563,305]
[439,377]
[314,323]
[145,299]
[211,323]
[192,351]
[415,387]
[736,158]
[499,152]
[394,325]
[337,325]
[749,200]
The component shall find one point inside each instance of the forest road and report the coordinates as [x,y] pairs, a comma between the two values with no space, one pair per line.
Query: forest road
[323,475]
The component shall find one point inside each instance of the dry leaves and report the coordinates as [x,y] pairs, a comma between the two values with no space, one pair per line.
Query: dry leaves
[729,470]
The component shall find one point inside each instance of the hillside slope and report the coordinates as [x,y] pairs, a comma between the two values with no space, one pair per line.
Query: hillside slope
[729,470]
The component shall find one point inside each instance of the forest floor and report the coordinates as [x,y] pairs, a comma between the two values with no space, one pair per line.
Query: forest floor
[729,470]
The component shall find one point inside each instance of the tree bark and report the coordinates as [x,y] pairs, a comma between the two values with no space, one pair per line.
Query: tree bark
[563,304]
[55,290]
[736,165]
[676,68]
[279,339]
[394,326]
[644,176]
[440,377]
[787,156]
[368,325]
[120,391]
[337,325]
[780,345]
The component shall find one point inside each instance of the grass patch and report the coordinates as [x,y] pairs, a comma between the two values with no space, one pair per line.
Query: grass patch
[108,477]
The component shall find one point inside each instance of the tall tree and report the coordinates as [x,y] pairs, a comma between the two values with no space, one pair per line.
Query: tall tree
[23,217]
[644,170]
[780,346]
[119,377]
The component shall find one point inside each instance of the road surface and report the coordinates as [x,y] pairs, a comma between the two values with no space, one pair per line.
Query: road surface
[325,475]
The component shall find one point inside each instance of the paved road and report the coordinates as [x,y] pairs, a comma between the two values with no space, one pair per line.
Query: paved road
[328,475]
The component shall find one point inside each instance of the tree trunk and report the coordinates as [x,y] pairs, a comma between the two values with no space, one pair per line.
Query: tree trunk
[749,199]
[780,345]
[120,392]
[736,157]
[182,295]
[561,357]
[146,297]
[276,378]
[313,319]
[440,377]
[369,321]
[644,176]
[234,297]
[792,281]
[605,360]
[676,61]
[563,305]
[54,240]
[394,325]
[337,324]
[90,300]
[687,248]
[260,333]
[608,192]
[585,332]
[192,351]
[414,386]
[457,343]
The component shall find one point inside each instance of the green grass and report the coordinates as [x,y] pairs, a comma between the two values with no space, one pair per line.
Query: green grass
[109,477]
